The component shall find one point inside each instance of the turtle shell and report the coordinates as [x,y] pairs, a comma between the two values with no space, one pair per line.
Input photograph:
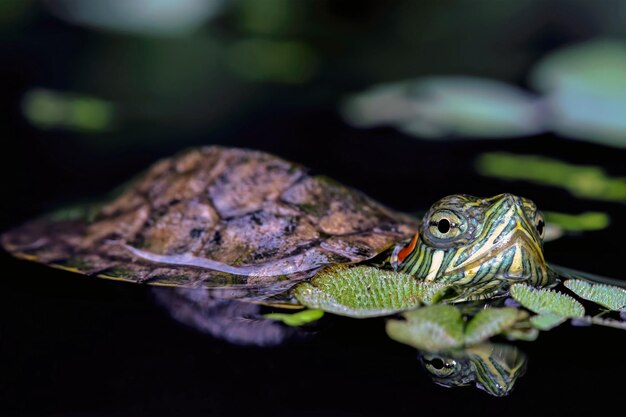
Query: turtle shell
[243,221]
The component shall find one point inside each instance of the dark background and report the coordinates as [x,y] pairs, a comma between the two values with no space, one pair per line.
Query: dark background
[71,345]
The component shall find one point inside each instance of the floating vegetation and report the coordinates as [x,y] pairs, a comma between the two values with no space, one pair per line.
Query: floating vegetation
[297,319]
[365,291]
[609,296]
[442,327]
[547,321]
[544,301]
[491,322]
[554,308]
[601,321]
[434,328]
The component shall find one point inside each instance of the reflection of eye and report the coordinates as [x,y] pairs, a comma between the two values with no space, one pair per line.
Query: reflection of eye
[444,224]
[437,363]
[440,367]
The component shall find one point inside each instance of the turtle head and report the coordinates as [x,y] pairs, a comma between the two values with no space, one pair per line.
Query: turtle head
[493,368]
[480,244]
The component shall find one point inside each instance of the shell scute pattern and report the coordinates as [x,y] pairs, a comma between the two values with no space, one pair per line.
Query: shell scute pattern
[234,206]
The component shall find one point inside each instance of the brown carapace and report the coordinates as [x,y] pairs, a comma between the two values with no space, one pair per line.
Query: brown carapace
[244,221]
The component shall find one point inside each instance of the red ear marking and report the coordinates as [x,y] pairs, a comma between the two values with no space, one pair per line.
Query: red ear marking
[404,252]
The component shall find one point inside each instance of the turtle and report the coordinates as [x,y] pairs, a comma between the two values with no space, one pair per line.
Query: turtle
[492,367]
[249,225]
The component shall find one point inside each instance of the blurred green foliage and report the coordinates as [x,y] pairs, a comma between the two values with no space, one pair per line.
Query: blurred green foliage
[585,88]
[582,181]
[53,109]
[591,220]
[167,63]
[582,96]
[278,61]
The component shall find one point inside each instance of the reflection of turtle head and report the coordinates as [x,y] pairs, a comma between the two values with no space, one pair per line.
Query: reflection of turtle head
[477,243]
[448,371]
[493,368]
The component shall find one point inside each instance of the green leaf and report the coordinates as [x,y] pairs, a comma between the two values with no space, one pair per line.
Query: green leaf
[364,291]
[490,322]
[433,328]
[542,301]
[297,319]
[611,297]
[547,321]
[441,327]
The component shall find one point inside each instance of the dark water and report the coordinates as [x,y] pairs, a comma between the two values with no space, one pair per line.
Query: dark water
[75,345]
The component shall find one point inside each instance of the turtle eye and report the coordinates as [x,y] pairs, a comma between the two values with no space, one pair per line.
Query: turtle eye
[444,225]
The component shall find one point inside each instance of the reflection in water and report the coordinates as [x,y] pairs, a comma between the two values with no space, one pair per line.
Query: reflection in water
[493,368]
[236,322]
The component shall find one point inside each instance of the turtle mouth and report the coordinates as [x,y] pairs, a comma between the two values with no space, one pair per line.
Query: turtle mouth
[518,258]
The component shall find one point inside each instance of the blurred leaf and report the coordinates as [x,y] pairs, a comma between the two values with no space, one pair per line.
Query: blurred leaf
[543,301]
[364,291]
[585,88]
[441,326]
[433,328]
[526,334]
[597,65]
[146,17]
[591,220]
[297,319]
[447,106]
[491,322]
[582,181]
[48,109]
[547,321]
[611,297]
